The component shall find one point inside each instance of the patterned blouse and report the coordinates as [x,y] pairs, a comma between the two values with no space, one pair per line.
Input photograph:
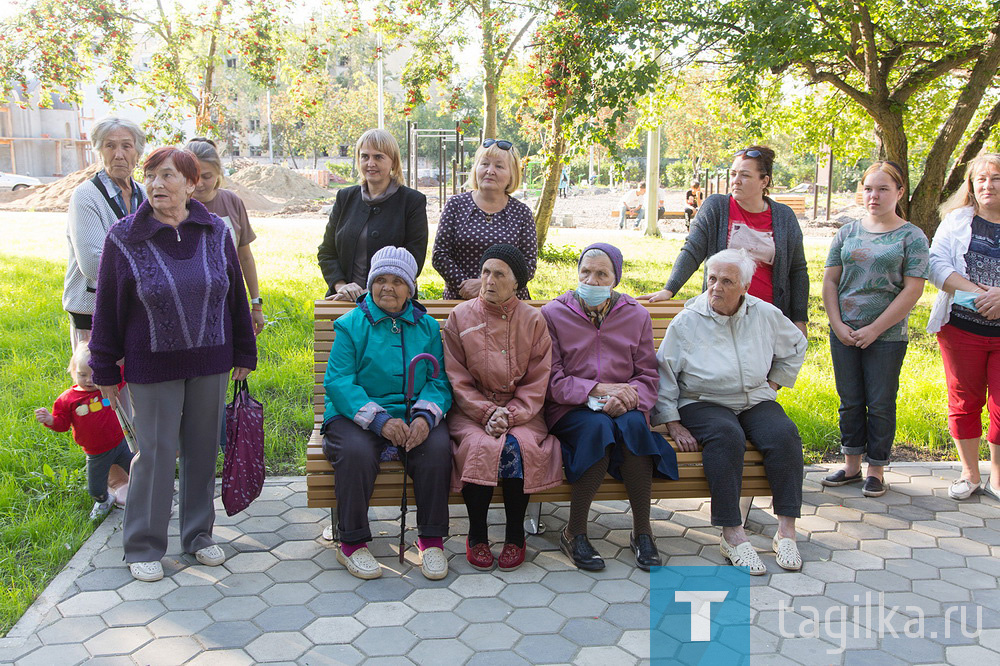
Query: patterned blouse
[465,232]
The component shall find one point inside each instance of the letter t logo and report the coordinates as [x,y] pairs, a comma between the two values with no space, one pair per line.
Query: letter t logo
[701,613]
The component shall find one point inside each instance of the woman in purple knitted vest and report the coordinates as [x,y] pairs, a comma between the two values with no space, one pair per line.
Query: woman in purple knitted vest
[171,303]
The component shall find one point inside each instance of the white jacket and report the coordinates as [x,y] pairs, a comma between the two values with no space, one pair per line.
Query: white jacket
[951,242]
[708,357]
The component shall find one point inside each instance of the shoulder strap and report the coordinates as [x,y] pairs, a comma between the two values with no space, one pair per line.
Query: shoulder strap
[119,213]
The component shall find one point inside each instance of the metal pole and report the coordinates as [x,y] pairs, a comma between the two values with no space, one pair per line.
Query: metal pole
[652,181]
[442,175]
[270,134]
[816,190]
[378,61]
[829,182]
[409,149]
[454,177]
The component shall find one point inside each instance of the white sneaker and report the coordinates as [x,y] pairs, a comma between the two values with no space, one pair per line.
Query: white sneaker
[787,553]
[963,489]
[361,564]
[433,563]
[147,572]
[743,555]
[328,533]
[102,509]
[210,556]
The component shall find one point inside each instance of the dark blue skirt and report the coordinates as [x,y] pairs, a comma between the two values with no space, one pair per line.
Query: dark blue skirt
[585,436]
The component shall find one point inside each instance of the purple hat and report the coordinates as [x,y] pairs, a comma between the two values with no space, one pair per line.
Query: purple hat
[614,254]
[394,261]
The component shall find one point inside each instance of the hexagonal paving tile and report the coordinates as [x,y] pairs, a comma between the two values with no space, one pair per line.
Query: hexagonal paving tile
[167,651]
[191,598]
[71,630]
[547,649]
[385,614]
[569,581]
[228,634]
[134,613]
[120,640]
[385,641]
[536,620]
[384,589]
[477,585]
[581,604]
[250,562]
[284,618]
[284,594]
[436,624]
[228,609]
[336,603]
[489,636]
[445,651]
[435,599]
[89,603]
[56,654]
[591,632]
[278,646]
[527,595]
[137,590]
[334,630]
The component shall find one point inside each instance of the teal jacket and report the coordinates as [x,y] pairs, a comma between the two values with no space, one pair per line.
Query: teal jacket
[366,372]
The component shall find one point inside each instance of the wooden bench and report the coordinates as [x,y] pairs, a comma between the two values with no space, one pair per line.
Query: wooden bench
[796,202]
[691,482]
[616,213]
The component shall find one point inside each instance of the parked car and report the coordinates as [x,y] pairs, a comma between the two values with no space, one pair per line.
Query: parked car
[12,181]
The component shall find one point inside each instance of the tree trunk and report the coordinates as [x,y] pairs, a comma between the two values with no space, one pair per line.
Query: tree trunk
[927,193]
[972,149]
[489,73]
[547,199]
[890,137]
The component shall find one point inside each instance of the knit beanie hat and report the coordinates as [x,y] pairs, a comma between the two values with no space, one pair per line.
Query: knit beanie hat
[394,261]
[614,254]
[511,256]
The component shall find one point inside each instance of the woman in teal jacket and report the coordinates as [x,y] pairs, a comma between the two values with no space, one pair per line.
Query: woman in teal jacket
[365,417]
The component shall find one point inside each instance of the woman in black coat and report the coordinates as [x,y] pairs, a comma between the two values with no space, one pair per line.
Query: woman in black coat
[379,212]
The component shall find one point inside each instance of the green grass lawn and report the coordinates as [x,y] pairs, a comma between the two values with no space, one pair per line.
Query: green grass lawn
[43,501]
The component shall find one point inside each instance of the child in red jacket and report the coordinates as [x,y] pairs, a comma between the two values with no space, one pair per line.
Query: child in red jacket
[95,428]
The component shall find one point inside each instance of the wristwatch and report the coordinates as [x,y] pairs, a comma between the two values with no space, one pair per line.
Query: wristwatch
[257,301]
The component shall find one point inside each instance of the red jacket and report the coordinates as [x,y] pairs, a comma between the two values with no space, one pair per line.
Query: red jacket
[95,426]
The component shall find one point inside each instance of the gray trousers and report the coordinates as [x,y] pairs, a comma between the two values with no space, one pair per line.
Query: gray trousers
[354,454]
[98,467]
[723,434]
[170,417]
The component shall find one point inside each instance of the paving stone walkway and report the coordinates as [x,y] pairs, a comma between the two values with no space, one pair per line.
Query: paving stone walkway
[282,597]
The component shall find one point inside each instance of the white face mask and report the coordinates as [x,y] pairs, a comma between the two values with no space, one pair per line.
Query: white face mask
[593,295]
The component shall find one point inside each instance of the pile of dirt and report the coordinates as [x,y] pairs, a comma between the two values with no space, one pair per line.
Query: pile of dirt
[54,196]
[278,183]
[254,202]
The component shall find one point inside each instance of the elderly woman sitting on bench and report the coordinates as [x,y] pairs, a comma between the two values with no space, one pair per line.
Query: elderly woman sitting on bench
[366,411]
[721,363]
[602,387]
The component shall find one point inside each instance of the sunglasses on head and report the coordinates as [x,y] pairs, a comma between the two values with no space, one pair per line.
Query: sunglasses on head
[501,144]
[204,140]
[749,153]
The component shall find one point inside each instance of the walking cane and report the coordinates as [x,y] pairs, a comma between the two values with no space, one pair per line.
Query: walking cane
[402,450]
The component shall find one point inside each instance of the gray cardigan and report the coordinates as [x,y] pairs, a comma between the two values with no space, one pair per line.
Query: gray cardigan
[710,234]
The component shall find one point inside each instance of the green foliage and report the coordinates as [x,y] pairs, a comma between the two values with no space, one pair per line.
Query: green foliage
[560,254]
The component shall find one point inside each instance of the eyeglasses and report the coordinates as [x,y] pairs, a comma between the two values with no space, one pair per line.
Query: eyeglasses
[749,153]
[501,144]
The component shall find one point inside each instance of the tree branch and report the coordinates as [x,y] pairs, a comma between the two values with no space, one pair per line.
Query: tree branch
[513,43]
[866,100]
[921,76]
[972,148]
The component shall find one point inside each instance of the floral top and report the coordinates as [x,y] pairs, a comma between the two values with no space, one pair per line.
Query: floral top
[465,232]
[874,268]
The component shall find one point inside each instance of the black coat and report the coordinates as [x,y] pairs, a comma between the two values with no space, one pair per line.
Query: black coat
[400,221]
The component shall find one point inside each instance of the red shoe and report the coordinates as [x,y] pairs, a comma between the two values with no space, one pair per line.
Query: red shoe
[479,556]
[511,557]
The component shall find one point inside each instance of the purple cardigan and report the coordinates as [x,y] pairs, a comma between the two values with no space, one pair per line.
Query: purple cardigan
[621,351]
[171,302]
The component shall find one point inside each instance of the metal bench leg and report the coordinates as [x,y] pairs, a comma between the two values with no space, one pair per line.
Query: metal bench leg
[746,503]
[328,531]
[533,519]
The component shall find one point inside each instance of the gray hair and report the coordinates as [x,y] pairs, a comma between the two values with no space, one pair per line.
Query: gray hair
[596,253]
[739,258]
[207,154]
[107,125]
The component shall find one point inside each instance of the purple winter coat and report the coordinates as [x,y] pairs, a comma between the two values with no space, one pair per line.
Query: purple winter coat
[619,352]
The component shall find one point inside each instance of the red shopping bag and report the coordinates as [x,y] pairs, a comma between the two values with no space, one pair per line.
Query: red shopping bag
[243,466]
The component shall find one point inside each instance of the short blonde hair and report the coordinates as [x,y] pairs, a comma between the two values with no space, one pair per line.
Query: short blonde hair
[207,154]
[492,152]
[81,356]
[383,142]
[966,194]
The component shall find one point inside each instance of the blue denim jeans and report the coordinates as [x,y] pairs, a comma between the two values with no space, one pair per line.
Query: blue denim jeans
[867,382]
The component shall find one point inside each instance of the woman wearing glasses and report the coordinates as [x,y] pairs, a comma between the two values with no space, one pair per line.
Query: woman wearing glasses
[474,221]
[748,219]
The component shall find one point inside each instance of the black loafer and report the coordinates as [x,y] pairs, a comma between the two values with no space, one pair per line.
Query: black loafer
[873,487]
[646,555]
[581,552]
[839,478]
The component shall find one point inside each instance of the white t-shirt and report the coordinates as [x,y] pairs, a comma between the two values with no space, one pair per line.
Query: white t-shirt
[633,199]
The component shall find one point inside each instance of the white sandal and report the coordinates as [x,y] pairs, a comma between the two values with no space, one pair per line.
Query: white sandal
[963,489]
[147,572]
[787,552]
[433,563]
[743,555]
[361,564]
